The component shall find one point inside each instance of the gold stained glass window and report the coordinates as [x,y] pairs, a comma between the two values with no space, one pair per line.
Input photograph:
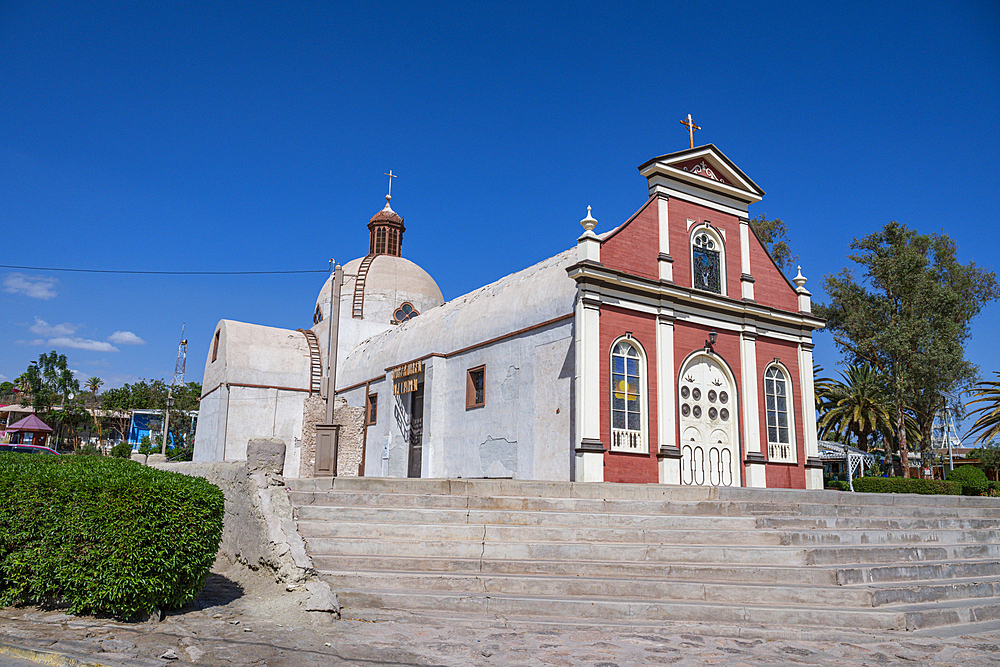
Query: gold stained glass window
[626,412]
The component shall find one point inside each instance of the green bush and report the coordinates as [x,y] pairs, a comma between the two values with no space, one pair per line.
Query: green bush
[837,485]
[122,450]
[104,535]
[972,479]
[88,450]
[993,488]
[905,485]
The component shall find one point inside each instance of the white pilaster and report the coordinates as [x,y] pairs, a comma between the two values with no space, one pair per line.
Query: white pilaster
[746,281]
[589,449]
[664,260]
[666,417]
[814,470]
[751,415]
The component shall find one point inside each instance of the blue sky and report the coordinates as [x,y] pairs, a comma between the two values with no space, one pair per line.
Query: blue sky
[253,136]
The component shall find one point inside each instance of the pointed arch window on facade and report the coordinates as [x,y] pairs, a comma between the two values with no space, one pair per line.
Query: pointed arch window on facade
[780,440]
[628,372]
[706,262]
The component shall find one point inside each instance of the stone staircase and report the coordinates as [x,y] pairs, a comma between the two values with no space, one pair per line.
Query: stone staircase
[625,553]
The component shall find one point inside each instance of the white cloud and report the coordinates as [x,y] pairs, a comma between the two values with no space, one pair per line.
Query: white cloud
[37,287]
[43,328]
[83,344]
[126,338]
[61,335]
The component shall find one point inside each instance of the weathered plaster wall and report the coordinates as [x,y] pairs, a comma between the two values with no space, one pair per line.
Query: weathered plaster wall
[210,443]
[523,430]
[258,527]
[255,412]
[351,420]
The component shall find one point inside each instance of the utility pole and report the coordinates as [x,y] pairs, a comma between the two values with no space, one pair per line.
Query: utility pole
[328,433]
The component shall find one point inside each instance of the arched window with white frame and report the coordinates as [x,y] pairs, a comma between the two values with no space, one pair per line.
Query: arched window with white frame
[778,413]
[628,397]
[708,259]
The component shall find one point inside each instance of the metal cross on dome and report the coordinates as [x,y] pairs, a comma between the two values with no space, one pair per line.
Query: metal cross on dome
[391,176]
[691,128]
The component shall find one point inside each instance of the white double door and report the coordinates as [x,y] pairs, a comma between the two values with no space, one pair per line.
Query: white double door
[708,415]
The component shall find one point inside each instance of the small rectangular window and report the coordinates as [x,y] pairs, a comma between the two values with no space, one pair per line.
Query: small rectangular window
[475,388]
[215,345]
[371,415]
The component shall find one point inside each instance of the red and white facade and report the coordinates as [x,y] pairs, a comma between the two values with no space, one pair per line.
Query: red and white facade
[693,351]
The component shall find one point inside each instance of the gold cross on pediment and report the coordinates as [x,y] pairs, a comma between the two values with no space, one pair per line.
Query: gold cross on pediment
[691,128]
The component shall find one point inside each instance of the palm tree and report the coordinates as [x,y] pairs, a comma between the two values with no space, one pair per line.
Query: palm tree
[857,406]
[94,383]
[988,423]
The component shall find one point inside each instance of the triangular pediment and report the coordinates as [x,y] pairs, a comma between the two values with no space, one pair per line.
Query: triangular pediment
[704,167]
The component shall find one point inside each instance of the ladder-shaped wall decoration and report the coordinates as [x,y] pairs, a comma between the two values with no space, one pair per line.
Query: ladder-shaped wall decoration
[315,362]
[359,287]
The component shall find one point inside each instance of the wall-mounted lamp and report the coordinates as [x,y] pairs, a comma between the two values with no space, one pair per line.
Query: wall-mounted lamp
[712,337]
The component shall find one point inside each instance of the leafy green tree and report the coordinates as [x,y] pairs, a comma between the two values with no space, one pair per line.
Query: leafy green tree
[152,395]
[909,317]
[47,382]
[773,235]
[119,403]
[988,455]
[857,405]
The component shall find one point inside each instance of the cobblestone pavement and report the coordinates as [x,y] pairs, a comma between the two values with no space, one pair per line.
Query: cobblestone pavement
[243,619]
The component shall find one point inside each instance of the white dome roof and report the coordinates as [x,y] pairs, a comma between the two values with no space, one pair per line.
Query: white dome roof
[390,282]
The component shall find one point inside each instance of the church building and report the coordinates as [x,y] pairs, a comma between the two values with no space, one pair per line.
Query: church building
[668,350]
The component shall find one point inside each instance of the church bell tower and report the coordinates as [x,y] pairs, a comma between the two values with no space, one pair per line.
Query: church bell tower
[385,229]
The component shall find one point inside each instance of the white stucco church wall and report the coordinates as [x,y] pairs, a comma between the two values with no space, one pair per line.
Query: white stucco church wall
[519,332]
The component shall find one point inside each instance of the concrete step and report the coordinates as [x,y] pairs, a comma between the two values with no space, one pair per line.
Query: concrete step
[930,591]
[828,575]
[637,552]
[439,516]
[501,533]
[619,609]
[610,491]
[912,617]
[849,554]
[606,588]
[702,536]
[866,574]
[382,498]
[876,523]
[665,517]
[728,572]
[567,551]
[664,588]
